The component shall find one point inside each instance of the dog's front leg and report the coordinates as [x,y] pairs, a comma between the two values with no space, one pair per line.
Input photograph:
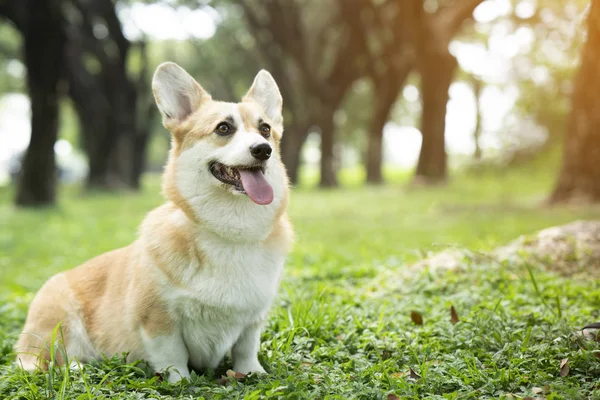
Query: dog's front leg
[168,351]
[245,350]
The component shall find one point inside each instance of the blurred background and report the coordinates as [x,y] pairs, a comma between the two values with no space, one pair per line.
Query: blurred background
[374,91]
[411,127]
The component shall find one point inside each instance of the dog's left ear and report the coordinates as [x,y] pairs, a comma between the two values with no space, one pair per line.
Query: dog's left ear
[265,92]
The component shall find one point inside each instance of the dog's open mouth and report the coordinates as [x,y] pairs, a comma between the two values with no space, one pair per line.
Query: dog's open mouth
[249,180]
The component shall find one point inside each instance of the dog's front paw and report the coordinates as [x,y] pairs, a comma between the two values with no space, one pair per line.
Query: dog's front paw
[249,367]
[176,375]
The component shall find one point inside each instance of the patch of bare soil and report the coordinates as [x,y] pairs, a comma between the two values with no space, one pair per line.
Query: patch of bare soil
[572,249]
[569,250]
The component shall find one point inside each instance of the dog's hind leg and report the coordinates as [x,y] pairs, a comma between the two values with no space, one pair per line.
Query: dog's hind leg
[45,336]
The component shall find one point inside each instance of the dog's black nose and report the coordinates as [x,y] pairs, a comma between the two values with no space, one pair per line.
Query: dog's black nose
[261,151]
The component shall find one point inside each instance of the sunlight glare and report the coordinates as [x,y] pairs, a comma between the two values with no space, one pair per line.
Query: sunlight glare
[490,10]
[525,9]
[163,22]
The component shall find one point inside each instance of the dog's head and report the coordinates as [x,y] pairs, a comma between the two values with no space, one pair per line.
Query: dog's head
[223,154]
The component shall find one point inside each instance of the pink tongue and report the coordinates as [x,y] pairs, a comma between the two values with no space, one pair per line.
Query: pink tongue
[256,186]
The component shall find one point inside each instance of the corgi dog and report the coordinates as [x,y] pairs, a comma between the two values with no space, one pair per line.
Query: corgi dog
[199,281]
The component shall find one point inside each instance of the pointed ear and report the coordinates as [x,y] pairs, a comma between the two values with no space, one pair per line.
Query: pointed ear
[265,92]
[177,94]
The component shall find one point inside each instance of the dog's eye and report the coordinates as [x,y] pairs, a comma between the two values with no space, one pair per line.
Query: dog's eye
[265,130]
[223,129]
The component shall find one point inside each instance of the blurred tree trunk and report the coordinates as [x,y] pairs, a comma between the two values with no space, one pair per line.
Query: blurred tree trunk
[98,133]
[477,86]
[386,91]
[432,34]
[295,45]
[287,75]
[437,71]
[383,101]
[291,149]
[41,24]
[113,109]
[146,116]
[326,123]
[579,178]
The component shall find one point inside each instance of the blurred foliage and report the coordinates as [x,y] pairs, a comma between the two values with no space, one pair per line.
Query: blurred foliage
[69,124]
[12,70]
[545,73]
[226,63]
[354,115]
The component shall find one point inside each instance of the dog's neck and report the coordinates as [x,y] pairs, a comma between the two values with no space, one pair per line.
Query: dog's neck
[230,218]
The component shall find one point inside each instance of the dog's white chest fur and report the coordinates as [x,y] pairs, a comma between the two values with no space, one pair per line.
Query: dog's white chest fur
[233,289]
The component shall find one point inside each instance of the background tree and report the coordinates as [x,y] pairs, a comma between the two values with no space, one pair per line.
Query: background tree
[541,72]
[115,110]
[436,65]
[579,178]
[311,45]
[41,24]
[340,65]
[477,84]
[384,33]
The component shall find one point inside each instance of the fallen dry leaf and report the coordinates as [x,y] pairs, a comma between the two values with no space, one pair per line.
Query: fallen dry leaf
[564,367]
[453,315]
[416,318]
[537,390]
[230,374]
[414,375]
[392,396]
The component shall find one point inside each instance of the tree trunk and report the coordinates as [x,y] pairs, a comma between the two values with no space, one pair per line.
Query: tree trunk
[112,107]
[123,113]
[477,131]
[44,41]
[385,94]
[437,70]
[374,148]
[290,155]
[98,133]
[382,104]
[579,179]
[146,115]
[327,127]
[291,149]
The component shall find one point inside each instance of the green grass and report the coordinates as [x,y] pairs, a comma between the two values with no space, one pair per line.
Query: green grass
[341,327]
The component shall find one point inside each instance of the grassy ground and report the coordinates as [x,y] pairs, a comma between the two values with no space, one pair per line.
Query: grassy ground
[342,327]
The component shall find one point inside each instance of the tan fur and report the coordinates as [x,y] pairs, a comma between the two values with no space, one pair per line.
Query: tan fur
[33,344]
[169,190]
[112,299]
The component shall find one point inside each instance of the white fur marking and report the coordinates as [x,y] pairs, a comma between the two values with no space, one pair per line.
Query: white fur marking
[167,352]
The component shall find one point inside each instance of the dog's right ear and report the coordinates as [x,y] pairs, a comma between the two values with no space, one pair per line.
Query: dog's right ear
[177,94]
